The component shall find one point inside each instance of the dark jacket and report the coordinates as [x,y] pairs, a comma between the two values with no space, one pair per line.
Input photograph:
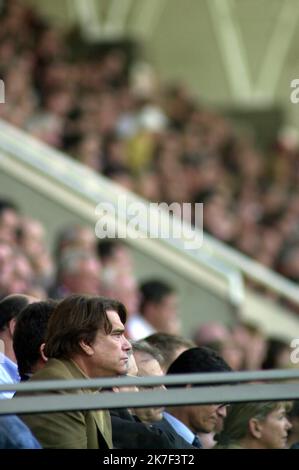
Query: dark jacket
[128,432]
[165,426]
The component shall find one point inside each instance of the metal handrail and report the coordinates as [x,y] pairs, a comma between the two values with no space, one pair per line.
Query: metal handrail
[252,269]
[94,188]
[175,379]
[175,397]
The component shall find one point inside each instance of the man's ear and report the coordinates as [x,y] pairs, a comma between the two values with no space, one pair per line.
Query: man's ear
[87,348]
[11,326]
[41,352]
[255,428]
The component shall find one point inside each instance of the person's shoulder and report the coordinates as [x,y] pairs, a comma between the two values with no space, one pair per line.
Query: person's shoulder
[55,369]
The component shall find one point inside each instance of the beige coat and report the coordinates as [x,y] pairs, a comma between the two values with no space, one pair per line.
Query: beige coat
[71,429]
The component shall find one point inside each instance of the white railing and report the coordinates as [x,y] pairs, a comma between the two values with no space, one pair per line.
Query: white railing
[80,188]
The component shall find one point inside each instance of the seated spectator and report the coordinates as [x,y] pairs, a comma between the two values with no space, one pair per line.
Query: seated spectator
[210,332]
[85,339]
[158,311]
[130,431]
[79,272]
[148,362]
[262,425]
[10,308]
[277,355]
[190,420]
[75,237]
[169,346]
[29,337]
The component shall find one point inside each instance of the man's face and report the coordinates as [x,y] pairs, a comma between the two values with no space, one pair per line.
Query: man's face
[206,418]
[109,354]
[86,278]
[148,366]
[165,316]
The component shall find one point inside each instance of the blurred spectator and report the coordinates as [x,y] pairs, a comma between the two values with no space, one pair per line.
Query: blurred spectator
[79,271]
[278,354]
[210,332]
[169,346]
[158,311]
[75,237]
[252,342]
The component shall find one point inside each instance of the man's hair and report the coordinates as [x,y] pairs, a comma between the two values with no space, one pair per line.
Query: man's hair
[106,248]
[29,334]
[143,347]
[200,360]
[78,318]
[154,291]
[10,307]
[168,344]
[6,204]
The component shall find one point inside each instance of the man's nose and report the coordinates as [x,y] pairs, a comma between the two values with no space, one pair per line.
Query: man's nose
[222,411]
[288,424]
[126,344]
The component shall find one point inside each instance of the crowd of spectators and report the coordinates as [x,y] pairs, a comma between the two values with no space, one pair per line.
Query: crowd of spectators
[158,140]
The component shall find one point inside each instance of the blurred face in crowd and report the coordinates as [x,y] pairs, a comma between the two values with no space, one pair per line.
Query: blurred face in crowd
[9,221]
[85,278]
[163,315]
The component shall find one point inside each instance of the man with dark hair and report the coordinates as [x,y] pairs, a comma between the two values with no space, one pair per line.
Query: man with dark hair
[189,420]
[113,251]
[169,346]
[29,337]
[158,311]
[85,339]
[10,307]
